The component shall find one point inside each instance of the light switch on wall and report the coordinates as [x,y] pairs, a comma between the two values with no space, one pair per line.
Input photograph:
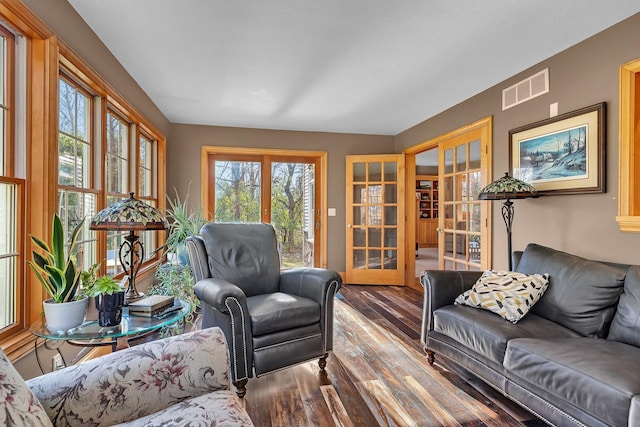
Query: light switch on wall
[553,109]
[331,211]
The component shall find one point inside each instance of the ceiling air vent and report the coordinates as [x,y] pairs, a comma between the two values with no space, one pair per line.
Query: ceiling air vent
[527,89]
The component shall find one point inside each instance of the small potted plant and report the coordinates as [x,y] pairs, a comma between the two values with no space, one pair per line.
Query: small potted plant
[58,274]
[109,297]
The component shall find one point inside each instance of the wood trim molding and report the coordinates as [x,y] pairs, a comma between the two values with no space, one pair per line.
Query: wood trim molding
[629,148]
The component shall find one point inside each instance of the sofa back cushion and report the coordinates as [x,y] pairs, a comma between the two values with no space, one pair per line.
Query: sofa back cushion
[625,326]
[18,405]
[582,294]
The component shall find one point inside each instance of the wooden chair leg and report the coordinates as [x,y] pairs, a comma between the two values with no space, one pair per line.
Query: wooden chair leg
[241,388]
[322,363]
[431,356]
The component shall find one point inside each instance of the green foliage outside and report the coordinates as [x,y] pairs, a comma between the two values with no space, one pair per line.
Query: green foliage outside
[238,200]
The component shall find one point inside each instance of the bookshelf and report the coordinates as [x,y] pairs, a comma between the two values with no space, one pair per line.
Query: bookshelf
[427,210]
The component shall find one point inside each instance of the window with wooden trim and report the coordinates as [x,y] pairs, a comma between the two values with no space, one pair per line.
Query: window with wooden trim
[147,178]
[629,148]
[77,191]
[11,195]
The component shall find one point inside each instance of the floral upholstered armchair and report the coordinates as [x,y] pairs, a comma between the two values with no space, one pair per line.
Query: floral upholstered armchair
[182,380]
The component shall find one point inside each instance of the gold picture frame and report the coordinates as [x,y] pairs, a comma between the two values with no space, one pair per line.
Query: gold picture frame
[563,154]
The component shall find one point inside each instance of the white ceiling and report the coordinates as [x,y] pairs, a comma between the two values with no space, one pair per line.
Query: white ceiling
[360,66]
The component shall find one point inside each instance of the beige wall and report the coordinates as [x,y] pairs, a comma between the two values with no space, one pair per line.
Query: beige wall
[183,164]
[63,20]
[582,75]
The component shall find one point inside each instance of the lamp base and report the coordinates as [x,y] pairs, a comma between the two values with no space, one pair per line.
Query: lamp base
[132,295]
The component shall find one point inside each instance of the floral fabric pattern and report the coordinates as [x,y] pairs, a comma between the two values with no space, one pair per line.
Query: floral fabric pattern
[18,405]
[160,380]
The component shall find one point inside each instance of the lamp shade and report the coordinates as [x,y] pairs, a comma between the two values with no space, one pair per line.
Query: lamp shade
[507,187]
[129,214]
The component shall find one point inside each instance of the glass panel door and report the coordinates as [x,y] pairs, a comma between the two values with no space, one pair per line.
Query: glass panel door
[462,236]
[237,191]
[375,219]
[292,211]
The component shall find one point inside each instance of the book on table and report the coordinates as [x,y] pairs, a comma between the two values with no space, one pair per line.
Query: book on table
[151,305]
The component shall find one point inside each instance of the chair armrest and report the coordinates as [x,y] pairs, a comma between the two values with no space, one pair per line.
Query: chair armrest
[135,382]
[216,291]
[317,284]
[225,305]
[441,287]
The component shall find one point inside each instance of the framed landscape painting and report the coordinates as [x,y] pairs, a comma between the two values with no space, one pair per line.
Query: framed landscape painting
[563,154]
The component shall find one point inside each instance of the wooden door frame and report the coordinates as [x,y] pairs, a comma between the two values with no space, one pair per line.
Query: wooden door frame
[411,213]
[320,158]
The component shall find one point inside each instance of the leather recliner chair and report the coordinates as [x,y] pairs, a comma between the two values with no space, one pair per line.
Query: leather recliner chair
[271,318]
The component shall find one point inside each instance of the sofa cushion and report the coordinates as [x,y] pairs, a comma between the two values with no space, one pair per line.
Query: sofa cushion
[582,294]
[18,405]
[279,311]
[508,294]
[220,408]
[599,376]
[488,334]
[625,326]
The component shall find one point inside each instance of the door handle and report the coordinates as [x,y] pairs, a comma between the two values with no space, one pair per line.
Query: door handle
[348,225]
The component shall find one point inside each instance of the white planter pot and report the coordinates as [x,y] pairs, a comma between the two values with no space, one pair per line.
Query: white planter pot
[64,316]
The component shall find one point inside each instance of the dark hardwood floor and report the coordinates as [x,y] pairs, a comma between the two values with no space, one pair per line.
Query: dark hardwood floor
[378,375]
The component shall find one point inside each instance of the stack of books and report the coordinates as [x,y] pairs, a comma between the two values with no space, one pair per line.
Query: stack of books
[150,306]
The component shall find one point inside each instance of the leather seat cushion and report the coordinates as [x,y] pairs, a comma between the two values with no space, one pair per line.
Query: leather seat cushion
[279,311]
[487,333]
[599,376]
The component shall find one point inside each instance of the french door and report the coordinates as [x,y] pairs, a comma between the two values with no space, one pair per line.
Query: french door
[463,239]
[279,189]
[375,214]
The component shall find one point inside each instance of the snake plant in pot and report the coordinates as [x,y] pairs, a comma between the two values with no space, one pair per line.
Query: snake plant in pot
[60,277]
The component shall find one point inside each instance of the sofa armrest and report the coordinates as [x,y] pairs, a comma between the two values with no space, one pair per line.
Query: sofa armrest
[137,381]
[441,287]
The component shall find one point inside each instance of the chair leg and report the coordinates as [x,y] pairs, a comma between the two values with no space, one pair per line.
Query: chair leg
[241,388]
[322,363]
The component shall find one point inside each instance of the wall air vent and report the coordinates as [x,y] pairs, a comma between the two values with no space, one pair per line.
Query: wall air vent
[527,89]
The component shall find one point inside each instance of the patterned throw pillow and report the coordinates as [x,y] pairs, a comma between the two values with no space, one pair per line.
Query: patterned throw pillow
[18,405]
[508,294]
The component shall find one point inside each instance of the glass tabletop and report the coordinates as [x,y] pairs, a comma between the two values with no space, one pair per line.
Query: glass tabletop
[130,325]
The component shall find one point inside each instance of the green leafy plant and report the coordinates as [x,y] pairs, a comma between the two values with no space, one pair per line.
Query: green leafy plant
[185,223]
[103,285]
[177,281]
[56,271]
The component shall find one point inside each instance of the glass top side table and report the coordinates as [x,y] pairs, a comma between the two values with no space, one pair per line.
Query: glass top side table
[92,334]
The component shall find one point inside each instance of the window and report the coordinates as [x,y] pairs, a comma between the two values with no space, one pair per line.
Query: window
[11,196]
[117,176]
[147,153]
[77,195]
[88,172]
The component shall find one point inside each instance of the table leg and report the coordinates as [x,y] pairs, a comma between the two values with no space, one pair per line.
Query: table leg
[121,343]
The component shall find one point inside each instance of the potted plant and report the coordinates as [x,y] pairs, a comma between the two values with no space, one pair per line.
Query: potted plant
[177,281]
[109,299]
[58,274]
[184,224]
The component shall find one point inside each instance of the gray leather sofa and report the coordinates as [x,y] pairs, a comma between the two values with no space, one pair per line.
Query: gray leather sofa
[573,360]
